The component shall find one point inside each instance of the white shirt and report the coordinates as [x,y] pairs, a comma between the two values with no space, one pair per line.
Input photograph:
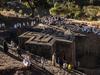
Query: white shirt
[26,61]
[94,30]
[64,65]
[15,26]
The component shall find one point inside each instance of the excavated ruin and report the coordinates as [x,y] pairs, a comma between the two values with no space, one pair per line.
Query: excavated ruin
[85,50]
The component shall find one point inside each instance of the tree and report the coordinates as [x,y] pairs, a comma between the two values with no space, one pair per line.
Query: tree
[32,5]
[66,8]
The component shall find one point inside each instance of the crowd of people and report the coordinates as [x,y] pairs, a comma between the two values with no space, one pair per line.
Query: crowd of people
[21,23]
[68,24]
[50,20]
[60,22]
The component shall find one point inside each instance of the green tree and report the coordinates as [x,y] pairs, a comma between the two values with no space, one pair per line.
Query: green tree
[90,12]
[67,8]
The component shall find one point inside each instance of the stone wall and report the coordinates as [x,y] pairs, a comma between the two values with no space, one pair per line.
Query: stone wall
[88,50]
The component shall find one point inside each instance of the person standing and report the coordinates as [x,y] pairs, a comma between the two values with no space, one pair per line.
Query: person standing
[27,62]
[12,44]
[19,51]
[42,62]
[69,68]
[60,62]
[64,66]
[68,34]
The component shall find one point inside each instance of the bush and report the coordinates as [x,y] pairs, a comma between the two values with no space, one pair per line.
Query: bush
[57,5]
[20,11]
[68,9]
[72,10]
[53,11]
[91,12]
[26,4]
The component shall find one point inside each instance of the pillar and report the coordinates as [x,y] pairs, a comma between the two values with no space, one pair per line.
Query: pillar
[53,56]
[73,54]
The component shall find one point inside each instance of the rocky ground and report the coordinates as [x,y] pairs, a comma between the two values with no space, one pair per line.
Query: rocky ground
[7,64]
[11,65]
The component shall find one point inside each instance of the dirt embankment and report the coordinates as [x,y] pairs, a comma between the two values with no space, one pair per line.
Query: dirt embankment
[12,65]
[89,23]
[8,64]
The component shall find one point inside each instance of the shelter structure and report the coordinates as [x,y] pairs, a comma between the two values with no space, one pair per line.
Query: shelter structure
[48,41]
[46,45]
